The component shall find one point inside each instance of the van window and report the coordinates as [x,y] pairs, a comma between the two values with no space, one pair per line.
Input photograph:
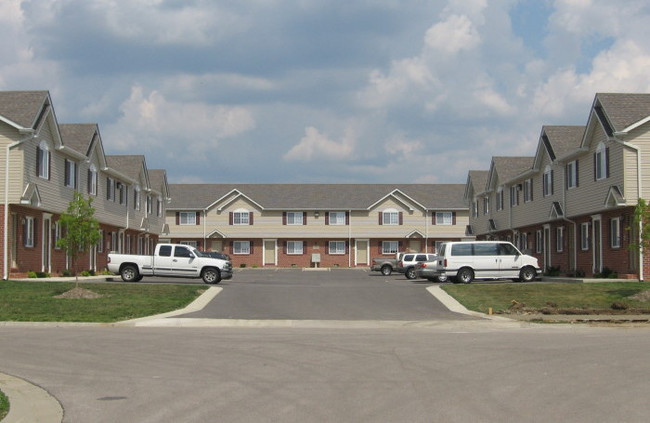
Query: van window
[507,250]
[488,249]
[461,250]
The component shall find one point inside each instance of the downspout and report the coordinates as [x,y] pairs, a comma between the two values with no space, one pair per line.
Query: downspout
[637,149]
[350,239]
[426,231]
[205,228]
[5,240]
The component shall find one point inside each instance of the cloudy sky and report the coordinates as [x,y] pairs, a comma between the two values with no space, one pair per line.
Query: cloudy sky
[323,91]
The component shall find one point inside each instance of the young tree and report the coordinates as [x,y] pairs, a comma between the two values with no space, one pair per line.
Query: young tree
[80,227]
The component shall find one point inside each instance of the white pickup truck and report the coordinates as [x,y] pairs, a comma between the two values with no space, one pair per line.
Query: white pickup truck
[174,260]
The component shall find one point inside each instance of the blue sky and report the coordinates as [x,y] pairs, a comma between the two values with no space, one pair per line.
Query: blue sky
[363,91]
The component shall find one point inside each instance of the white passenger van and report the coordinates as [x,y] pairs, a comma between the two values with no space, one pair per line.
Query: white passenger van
[469,260]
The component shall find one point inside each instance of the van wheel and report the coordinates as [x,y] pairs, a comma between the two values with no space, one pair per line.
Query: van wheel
[465,275]
[129,273]
[211,275]
[527,274]
[386,270]
[410,273]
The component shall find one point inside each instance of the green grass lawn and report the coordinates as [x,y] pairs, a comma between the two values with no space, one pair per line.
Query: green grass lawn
[552,298]
[36,302]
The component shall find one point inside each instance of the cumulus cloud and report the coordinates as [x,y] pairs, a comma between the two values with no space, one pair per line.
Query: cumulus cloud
[456,33]
[317,146]
[151,122]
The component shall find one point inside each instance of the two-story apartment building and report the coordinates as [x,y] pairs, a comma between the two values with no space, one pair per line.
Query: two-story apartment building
[43,163]
[322,225]
[573,207]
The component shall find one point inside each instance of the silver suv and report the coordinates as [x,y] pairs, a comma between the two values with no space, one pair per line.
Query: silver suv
[407,264]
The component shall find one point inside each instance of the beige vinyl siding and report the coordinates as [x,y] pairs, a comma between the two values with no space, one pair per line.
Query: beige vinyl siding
[9,135]
[641,138]
[590,195]
[501,217]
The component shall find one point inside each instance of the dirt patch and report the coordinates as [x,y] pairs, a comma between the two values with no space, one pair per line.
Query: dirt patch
[643,296]
[79,293]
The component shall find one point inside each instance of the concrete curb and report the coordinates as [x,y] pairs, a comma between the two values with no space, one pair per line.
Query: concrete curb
[29,403]
[453,305]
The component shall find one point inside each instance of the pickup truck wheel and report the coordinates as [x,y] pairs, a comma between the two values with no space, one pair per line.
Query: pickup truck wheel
[410,273]
[211,275]
[442,278]
[386,270]
[129,273]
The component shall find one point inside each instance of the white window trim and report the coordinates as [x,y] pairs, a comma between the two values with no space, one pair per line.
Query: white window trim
[444,218]
[584,236]
[547,185]
[615,232]
[293,250]
[190,218]
[386,247]
[390,217]
[242,217]
[339,220]
[336,250]
[539,241]
[528,190]
[559,239]
[44,165]
[29,232]
[241,247]
[292,218]
[601,162]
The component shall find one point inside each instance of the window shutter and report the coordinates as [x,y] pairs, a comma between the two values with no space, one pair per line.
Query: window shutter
[35,232]
[198,218]
[251,244]
[327,218]
[327,247]
[401,218]
[433,218]
[178,218]
[89,181]
[284,220]
[49,166]
[66,178]
[232,247]
[250,218]
[381,215]
[577,173]
[531,190]
[38,160]
[347,247]
[347,218]
[304,218]
[25,233]
[453,218]
[399,245]
[595,166]
[607,162]
[230,218]
[566,176]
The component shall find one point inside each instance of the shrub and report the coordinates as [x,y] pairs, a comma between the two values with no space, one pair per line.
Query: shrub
[31,274]
[619,305]
[552,271]
[242,265]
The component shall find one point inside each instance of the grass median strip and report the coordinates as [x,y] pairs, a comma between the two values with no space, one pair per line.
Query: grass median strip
[90,302]
[554,298]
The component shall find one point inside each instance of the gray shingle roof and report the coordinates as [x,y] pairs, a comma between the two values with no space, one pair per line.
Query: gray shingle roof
[478,179]
[623,110]
[317,196]
[78,136]
[128,165]
[22,107]
[508,168]
[564,139]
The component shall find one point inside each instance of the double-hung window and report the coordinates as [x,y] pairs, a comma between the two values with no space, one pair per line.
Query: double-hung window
[242,217]
[294,247]
[187,218]
[539,242]
[241,247]
[389,247]
[136,197]
[337,247]
[547,182]
[514,196]
[336,218]
[444,218]
[92,180]
[559,239]
[486,205]
[43,160]
[528,190]
[601,162]
[110,189]
[500,198]
[28,240]
[70,174]
[572,174]
[390,217]
[584,236]
[295,218]
[615,232]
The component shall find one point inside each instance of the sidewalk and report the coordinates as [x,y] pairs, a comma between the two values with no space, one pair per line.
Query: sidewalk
[29,403]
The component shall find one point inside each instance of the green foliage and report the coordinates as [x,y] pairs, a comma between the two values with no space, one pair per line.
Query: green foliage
[81,229]
[642,221]
[4,405]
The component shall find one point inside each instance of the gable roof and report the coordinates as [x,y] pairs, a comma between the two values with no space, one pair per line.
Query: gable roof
[78,136]
[476,180]
[507,168]
[22,108]
[624,110]
[129,166]
[316,196]
[557,142]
